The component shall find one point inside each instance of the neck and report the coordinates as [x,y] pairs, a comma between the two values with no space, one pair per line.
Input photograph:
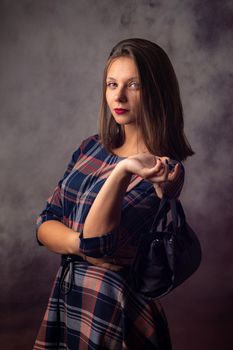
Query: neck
[133,143]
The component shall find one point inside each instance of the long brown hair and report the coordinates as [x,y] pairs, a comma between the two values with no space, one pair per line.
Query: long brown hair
[161,112]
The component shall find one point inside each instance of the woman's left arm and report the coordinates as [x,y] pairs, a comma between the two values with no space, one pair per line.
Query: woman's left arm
[105,212]
[102,224]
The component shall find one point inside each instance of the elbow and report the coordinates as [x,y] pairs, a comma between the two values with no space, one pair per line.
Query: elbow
[39,235]
[42,228]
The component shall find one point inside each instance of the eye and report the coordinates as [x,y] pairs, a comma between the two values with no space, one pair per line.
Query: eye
[111,85]
[134,85]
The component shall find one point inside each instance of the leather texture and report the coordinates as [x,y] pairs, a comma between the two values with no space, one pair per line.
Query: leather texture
[167,255]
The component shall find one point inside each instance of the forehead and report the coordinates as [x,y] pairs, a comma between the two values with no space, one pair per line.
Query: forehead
[122,67]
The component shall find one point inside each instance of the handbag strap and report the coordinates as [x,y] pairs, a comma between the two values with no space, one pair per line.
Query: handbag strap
[177,214]
[161,214]
[174,214]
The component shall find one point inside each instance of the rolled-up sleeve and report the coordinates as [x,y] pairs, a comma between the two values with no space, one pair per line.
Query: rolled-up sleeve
[53,209]
[98,247]
[138,209]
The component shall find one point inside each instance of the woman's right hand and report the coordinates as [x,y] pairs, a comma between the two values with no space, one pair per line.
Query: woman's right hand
[107,263]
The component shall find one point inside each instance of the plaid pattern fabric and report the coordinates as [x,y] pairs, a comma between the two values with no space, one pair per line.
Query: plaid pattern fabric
[101,311]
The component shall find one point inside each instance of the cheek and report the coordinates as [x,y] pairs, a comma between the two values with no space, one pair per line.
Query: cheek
[108,99]
[135,100]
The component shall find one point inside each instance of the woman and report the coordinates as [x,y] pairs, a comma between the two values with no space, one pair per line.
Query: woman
[106,199]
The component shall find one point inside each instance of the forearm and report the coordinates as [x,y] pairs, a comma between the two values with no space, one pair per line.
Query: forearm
[105,212]
[58,238]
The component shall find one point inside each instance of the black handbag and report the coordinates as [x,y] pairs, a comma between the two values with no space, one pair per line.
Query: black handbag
[165,257]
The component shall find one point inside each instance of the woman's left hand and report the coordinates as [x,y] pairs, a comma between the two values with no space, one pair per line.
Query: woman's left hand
[162,173]
[107,263]
[152,168]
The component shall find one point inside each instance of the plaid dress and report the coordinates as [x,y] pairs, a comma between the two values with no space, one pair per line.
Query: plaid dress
[91,307]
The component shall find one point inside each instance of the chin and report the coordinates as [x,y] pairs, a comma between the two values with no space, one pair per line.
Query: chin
[121,120]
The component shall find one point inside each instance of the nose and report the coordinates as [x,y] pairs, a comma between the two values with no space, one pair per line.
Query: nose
[120,95]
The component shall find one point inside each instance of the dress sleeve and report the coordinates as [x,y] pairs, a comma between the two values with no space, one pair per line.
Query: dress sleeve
[53,209]
[138,209]
[98,247]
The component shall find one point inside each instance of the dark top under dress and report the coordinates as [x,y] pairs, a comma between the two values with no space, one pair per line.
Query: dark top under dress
[101,311]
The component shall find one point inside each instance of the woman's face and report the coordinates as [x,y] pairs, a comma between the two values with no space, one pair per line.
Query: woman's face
[123,90]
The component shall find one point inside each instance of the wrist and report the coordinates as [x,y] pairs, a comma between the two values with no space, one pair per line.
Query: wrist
[123,168]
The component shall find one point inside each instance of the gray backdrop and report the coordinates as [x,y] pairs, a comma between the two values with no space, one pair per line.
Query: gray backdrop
[51,63]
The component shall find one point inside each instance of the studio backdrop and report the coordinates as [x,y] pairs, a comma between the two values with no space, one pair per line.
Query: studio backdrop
[51,64]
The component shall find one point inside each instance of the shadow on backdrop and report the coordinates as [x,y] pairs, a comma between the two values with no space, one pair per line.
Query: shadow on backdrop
[52,56]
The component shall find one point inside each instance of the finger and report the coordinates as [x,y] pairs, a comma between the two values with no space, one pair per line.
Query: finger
[112,267]
[159,176]
[102,263]
[165,160]
[95,261]
[157,169]
[164,170]
[172,176]
[156,175]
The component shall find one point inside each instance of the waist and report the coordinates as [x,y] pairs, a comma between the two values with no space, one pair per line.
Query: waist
[69,258]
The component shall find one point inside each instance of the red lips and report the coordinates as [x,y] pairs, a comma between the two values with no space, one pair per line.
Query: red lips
[120,110]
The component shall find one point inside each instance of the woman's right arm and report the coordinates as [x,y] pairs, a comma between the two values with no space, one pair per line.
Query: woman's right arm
[58,238]
[50,230]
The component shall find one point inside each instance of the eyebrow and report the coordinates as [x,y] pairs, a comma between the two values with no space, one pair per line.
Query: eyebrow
[111,78]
